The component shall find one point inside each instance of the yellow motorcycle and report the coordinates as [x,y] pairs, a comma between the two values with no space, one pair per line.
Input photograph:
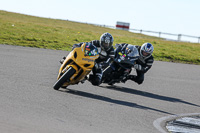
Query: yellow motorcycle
[77,65]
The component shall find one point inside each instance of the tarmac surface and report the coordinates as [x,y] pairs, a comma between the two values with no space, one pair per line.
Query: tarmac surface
[29,104]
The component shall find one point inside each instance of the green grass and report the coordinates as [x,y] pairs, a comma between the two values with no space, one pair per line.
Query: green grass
[30,31]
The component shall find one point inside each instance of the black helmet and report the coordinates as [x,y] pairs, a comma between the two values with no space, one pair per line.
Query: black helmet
[106,41]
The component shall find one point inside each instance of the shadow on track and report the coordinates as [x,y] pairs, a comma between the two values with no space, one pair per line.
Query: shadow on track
[115,101]
[147,94]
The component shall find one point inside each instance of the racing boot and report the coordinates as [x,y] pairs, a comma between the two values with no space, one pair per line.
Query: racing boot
[95,79]
[129,77]
[137,79]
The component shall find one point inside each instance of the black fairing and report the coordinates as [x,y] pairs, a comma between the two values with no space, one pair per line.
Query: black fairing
[121,65]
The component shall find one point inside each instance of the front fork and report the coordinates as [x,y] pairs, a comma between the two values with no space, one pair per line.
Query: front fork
[66,68]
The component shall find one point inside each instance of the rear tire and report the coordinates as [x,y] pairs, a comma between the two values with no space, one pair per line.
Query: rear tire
[105,74]
[66,76]
[107,71]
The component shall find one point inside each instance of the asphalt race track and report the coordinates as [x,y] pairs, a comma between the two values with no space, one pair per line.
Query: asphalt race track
[29,104]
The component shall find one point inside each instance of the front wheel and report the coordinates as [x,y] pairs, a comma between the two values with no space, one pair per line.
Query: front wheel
[66,76]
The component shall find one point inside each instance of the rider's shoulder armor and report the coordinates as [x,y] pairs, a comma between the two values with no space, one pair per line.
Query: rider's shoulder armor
[96,43]
[106,54]
[150,60]
[145,61]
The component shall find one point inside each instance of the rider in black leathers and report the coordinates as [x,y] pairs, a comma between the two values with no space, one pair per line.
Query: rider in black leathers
[143,64]
[106,51]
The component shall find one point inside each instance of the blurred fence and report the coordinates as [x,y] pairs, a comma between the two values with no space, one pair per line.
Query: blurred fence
[180,37]
[167,36]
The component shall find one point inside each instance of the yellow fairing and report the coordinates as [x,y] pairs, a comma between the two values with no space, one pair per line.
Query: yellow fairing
[81,63]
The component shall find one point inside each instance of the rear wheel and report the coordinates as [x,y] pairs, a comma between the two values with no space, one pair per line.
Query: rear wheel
[66,76]
[105,75]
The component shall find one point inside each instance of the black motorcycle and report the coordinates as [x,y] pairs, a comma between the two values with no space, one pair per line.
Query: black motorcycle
[121,65]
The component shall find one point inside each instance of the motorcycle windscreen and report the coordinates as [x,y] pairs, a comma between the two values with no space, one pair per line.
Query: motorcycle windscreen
[90,50]
[131,51]
[128,58]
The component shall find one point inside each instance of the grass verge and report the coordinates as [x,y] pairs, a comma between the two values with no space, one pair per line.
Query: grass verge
[31,31]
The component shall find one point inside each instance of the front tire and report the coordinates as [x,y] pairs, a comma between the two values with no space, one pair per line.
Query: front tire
[66,76]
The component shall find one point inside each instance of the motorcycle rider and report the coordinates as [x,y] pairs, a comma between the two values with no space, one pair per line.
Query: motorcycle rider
[106,51]
[143,64]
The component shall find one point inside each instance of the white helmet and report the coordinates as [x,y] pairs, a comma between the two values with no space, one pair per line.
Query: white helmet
[146,50]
